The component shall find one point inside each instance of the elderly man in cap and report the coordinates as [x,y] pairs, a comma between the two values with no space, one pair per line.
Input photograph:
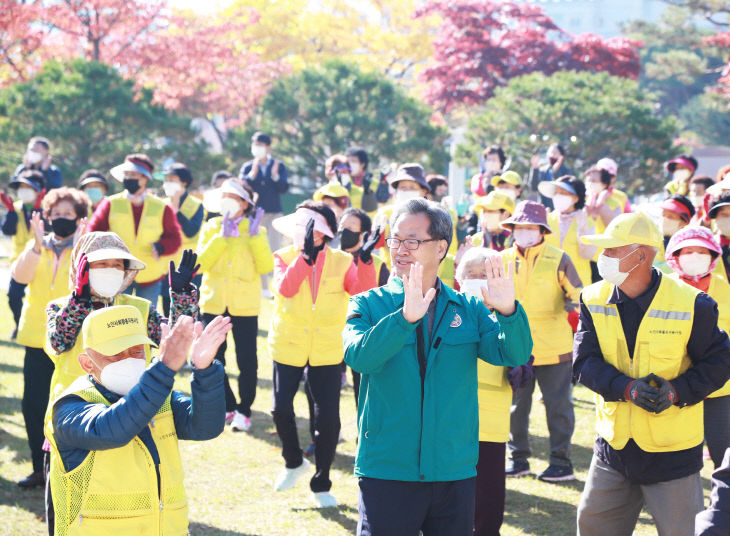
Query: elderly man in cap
[115,464]
[416,343]
[143,221]
[649,347]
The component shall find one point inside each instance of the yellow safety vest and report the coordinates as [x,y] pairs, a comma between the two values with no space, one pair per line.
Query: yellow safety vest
[121,221]
[50,282]
[115,491]
[231,268]
[447,270]
[495,399]
[538,290]
[356,193]
[303,331]
[613,204]
[570,245]
[661,348]
[66,365]
[22,233]
[620,197]
[188,209]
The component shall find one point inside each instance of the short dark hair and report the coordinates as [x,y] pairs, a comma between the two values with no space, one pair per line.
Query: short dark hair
[605,177]
[181,171]
[495,149]
[560,148]
[325,211]
[141,159]
[33,175]
[220,174]
[578,186]
[77,198]
[440,227]
[366,224]
[434,181]
[360,154]
[261,137]
[724,197]
[42,140]
[704,180]
[679,198]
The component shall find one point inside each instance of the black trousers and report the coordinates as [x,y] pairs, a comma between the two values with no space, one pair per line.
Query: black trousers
[245,329]
[324,385]
[37,372]
[16,294]
[490,489]
[50,512]
[397,508]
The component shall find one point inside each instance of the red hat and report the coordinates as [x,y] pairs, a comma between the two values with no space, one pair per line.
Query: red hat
[672,205]
[528,213]
[692,235]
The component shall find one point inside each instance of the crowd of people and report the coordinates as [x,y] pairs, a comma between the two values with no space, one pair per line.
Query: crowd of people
[449,312]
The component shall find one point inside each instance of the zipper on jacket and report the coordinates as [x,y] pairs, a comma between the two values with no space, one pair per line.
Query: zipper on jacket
[421,355]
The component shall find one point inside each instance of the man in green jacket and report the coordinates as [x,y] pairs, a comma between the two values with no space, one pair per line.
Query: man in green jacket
[416,343]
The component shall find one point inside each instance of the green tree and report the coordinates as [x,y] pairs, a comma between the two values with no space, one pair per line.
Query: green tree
[93,117]
[592,115]
[322,110]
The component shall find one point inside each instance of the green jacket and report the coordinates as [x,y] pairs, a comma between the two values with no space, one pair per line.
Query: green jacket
[434,437]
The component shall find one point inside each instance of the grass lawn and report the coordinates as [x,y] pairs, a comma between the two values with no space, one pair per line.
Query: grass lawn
[229,480]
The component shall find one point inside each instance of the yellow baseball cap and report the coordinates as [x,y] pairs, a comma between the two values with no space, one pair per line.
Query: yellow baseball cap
[331,189]
[510,177]
[626,229]
[494,201]
[112,330]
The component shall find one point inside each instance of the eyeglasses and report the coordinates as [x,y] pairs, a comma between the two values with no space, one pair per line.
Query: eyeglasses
[410,243]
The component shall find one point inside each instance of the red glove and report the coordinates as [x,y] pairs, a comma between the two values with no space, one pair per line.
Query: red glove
[83,288]
[573,318]
[7,201]
[39,199]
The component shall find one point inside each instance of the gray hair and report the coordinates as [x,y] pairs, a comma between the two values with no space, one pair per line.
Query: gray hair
[441,226]
[480,254]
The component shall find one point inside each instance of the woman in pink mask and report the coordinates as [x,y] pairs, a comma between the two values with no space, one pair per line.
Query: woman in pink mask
[692,253]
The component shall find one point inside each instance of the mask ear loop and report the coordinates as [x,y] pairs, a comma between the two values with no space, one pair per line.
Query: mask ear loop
[627,255]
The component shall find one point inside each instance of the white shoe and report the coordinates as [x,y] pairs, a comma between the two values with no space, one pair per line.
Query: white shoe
[240,422]
[266,294]
[288,477]
[324,499]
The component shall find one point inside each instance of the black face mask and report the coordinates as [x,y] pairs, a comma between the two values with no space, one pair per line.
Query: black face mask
[63,227]
[552,161]
[348,239]
[131,185]
[437,197]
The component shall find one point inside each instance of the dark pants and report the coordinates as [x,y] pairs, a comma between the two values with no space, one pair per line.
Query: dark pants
[245,330]
[16,293]
[490,489]
[165,292]
[50,512]
[324,385]
[717,427]
[356,385]
[37,372]
[397,508]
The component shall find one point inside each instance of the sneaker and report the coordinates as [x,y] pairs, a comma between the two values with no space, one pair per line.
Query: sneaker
[229,416]
[517,469]
[557,473]
[324,499]
[309,451]
[33,480]
[288,477]
[240,423]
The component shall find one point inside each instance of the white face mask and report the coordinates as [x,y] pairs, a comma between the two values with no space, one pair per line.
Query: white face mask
[562,202]
[345,179]
[258,151]
[34,157]
[695,263]
[669,227]
[473,287]
[681,175]
[171,188]
[356,168]
[696,200]
[608,268]
[229,207]
[106,282]
[526,238]
[509,192]
[594,187]
[26,195]
[401,196]
[491,221]
[298,238]
[492,165]
[120,377]
[723,224]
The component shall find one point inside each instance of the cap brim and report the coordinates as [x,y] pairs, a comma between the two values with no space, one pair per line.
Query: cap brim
[15,183]
[118,171]
[713,211]
[693,242]
[604,241]
[91,180]
[120,344]
[547,188]
[111,253]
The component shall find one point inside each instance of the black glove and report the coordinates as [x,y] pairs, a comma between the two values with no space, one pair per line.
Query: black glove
[368,244]
[667,395]
[180,279]
[519,377]
[309,251]
[641,393]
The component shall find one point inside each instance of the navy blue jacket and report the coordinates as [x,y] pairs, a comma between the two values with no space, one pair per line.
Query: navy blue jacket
[265,186]
[52,176]
[715,521]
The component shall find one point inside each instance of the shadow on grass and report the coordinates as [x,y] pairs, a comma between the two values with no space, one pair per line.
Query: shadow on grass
[10,344]
[17,444]
[338,515]
[6,368]
[30,500]
[9,404]
[201,528]
[580,456]
[538,515]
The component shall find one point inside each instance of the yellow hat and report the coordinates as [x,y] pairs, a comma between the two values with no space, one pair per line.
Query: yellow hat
[112,330]
[494,201]
[510,177]
[626,229]
[331,189]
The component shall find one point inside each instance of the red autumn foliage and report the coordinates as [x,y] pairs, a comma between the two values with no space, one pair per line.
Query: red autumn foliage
[722,41]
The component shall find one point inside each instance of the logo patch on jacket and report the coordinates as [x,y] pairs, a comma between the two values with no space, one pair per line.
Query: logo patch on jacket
[456,322]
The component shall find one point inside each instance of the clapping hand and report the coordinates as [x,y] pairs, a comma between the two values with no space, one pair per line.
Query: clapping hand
[175,342]
[38,228]
[208,340]
[415,303]
[499,293]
